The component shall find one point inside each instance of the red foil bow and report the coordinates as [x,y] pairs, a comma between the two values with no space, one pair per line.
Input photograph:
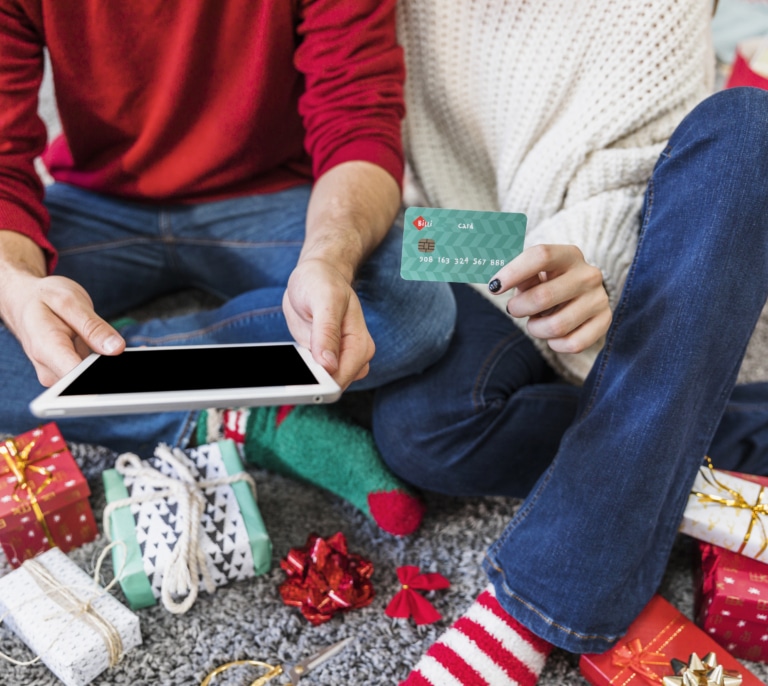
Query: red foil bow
[407,603]
[637,658]
[324,578]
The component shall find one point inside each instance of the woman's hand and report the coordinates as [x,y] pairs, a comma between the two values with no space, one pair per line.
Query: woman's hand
[560,293]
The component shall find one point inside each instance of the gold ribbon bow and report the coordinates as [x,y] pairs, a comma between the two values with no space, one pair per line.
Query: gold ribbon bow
[637,658]
[18,462]
[736,500]
[700,672]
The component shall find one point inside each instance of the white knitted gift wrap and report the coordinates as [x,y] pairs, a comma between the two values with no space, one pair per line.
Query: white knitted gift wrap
[553,108]
[76,628]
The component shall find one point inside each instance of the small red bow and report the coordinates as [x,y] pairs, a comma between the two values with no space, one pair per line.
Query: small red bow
[407,603]
[637,658]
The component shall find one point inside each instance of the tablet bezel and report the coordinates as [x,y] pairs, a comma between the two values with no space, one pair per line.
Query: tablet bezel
[50,404]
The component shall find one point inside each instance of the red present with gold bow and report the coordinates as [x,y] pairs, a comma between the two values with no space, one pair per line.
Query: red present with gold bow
[732,601]
[43,496]
[657,643]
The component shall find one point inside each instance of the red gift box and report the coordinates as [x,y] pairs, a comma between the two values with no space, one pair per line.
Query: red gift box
[742,73]
[43,496]
[732,601]
[660,634]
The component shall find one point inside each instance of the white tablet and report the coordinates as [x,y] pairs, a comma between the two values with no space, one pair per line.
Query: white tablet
[188,377]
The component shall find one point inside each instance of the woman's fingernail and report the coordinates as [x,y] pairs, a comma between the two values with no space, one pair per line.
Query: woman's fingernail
[494,286]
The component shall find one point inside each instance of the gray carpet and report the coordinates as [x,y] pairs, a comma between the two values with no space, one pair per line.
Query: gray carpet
[249,620]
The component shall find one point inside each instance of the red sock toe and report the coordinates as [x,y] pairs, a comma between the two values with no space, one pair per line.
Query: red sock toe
[396,512]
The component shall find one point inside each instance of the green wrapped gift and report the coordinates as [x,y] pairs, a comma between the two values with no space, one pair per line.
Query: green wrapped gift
[185,518]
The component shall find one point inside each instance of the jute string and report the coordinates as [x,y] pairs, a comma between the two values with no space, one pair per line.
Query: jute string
[74,606]
[187,563]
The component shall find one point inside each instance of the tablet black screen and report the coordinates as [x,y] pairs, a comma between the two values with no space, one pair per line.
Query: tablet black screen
[189,369]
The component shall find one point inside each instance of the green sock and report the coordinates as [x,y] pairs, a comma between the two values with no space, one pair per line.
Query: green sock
[320,445]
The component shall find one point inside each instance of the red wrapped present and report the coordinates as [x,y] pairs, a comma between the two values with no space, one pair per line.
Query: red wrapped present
[660,647]
[749,65]
[43,496]
[732,601]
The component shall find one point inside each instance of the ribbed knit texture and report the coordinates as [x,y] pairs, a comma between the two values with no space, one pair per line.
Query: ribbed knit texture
[484,647]
[554,108]
[318,445]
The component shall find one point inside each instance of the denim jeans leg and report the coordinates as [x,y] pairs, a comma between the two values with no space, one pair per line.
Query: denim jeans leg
[485,420]
[243,251]
[111,247]
[114,249]
[589,546]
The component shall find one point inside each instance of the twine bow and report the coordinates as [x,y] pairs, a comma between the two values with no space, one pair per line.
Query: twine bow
[18,462]
[738,501]
[75,607]
[187,563]
[637,658]
[408,603]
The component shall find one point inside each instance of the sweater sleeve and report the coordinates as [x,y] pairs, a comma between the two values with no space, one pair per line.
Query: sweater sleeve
[22,132]
[353,67]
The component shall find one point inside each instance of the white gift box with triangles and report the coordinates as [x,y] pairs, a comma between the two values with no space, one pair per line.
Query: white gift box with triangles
[189,519]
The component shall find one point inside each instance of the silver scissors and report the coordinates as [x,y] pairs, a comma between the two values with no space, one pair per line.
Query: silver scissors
[294,673]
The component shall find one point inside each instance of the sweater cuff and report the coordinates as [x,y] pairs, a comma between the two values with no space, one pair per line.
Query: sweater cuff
[374,152]
[15,218]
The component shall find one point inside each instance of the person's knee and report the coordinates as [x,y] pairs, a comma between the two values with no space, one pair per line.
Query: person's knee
[737,118]
[433,317]
[418,332]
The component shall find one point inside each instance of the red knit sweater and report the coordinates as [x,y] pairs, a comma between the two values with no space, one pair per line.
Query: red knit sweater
[194,100]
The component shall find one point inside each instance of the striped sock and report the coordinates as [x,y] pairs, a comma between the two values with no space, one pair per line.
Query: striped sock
[483,647]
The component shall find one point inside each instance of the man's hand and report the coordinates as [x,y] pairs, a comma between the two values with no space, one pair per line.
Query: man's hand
[52,316]
[560,293]
[324,315]
[351,209]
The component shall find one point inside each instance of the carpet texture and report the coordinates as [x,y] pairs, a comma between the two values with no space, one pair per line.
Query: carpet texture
[249,620]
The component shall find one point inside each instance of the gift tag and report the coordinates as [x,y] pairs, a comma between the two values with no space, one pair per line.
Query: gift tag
[462,246]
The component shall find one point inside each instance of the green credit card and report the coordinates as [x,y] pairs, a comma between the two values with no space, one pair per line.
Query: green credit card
[462,246]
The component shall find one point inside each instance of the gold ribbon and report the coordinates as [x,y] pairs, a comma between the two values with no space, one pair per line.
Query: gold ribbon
[738,501]
[634,656]
[272,671]
[18,462]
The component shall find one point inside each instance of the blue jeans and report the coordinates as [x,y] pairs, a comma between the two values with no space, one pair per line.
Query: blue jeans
[606,469]
[241,251]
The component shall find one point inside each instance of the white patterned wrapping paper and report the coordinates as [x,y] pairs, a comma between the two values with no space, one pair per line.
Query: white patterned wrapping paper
[69,646]
[733,513]
[223,534]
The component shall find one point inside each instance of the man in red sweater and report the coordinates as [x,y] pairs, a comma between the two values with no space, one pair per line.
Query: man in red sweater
[250,149]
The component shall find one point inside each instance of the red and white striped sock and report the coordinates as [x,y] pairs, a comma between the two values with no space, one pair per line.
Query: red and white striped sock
[485,646]
[234,422]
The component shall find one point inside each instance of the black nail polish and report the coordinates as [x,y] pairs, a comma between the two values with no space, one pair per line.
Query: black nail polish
[494,286]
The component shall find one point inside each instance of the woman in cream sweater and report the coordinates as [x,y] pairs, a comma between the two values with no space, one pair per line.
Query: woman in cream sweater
[595,371]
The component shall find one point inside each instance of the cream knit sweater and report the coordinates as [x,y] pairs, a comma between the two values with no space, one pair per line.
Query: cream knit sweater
[555,108]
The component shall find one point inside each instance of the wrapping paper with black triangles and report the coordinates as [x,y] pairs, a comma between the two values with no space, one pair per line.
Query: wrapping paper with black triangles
[228,528]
